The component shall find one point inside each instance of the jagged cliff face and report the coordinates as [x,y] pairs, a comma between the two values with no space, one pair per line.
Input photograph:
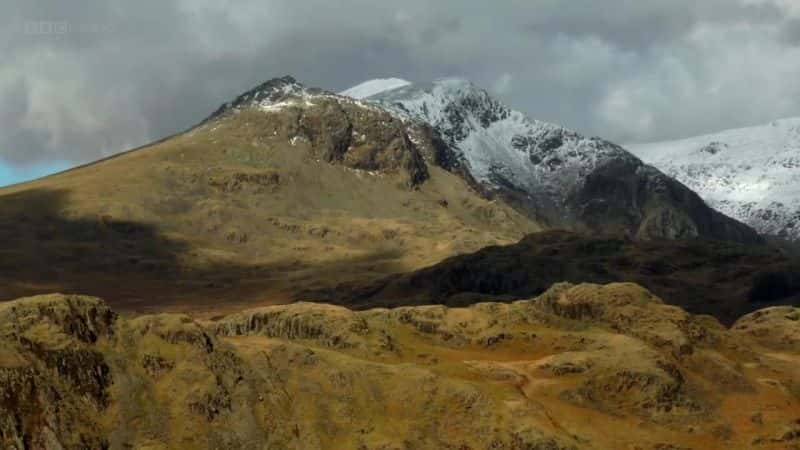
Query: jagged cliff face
[581,367]
[283,189]
[552,173]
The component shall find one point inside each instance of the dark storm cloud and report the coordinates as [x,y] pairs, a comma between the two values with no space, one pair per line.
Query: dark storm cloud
[82,79]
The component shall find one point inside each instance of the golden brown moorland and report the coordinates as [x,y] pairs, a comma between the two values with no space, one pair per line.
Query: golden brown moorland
[582,366]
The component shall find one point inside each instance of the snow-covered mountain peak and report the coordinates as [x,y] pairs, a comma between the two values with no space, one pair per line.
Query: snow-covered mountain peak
[500,146]
[752,174]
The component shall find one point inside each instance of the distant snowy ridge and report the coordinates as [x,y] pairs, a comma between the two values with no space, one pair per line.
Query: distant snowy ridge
[751,174]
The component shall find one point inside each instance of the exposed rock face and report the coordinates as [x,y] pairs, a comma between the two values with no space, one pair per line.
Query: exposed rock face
[343,131]
[556,175]
[634,311]
[571,369]
[54,381]
[329,326]
[85,319]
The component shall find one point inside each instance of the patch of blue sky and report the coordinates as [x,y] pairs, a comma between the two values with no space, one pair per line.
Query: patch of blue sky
[13,174]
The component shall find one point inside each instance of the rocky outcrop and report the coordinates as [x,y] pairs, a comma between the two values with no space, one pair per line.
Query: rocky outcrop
[634,311]
[777,328]
[84,319]
[342,131]
[53,379]
[330,326]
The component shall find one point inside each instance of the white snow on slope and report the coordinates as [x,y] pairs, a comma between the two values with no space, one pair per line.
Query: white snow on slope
[501,146]
[373,87]
[751,174]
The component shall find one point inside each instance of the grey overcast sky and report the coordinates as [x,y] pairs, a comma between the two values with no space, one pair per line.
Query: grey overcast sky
[80,79]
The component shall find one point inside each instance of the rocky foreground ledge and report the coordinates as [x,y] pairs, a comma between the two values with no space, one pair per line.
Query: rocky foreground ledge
[583,367]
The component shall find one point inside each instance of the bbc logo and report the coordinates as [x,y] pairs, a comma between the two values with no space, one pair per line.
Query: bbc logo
[46,28]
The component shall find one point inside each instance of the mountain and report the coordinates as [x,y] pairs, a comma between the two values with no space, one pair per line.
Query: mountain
[721,279]
[579,367]
[282,189]
[751,174]
[550,173]
[202,243]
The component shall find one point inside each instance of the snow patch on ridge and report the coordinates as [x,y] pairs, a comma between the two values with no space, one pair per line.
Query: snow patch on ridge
[280,93]
[373,87]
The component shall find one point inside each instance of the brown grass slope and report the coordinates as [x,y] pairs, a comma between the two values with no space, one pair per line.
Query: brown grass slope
[580,367]
[248,208]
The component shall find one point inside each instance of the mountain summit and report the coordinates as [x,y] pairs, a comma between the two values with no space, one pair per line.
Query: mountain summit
[552,173]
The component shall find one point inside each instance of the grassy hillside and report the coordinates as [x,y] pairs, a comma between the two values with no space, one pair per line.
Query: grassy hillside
[249,208]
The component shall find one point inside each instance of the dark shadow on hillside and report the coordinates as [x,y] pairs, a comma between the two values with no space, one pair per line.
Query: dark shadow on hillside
[37,238]
[722,279]
[133,266]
